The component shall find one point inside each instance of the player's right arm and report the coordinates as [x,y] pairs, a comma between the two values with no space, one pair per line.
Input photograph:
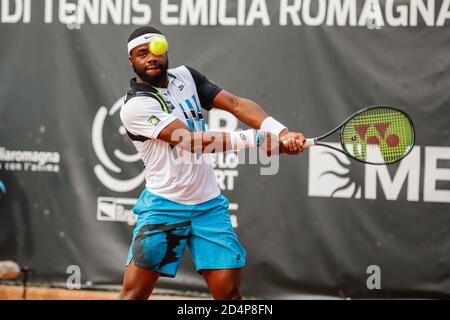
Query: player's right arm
[143,116]
[177,133]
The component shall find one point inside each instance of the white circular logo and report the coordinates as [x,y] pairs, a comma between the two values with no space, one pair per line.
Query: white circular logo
[109,181]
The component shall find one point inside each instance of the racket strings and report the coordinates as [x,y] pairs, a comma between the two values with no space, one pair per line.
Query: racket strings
[378,135]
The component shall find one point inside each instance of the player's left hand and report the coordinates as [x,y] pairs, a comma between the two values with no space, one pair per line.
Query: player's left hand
[291,142]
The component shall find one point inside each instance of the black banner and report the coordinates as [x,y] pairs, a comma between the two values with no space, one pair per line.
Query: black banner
[317,223]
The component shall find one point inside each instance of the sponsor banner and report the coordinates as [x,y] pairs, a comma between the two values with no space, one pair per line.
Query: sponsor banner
[355,13]
[331,174]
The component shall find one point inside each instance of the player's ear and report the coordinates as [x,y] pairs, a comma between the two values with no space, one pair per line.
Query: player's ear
[130,59]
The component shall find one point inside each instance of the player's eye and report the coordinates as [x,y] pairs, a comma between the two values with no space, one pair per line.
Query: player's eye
[142,53]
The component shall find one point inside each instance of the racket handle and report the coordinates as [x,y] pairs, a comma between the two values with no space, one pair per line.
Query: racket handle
[310,142]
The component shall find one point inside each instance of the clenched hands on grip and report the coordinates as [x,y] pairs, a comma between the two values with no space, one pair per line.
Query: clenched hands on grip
[291,143]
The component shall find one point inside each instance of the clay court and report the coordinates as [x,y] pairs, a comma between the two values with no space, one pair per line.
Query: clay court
[12,292]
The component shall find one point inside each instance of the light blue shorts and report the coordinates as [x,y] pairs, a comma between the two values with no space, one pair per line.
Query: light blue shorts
[164,227]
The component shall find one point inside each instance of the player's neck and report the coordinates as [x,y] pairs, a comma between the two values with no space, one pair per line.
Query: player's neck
[161,83]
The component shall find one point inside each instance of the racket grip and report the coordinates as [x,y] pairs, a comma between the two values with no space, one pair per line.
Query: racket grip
[310,142]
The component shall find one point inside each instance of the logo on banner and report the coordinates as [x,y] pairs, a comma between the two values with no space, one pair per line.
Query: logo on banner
[110,169]
[116,209]
[29,160]
[332,175]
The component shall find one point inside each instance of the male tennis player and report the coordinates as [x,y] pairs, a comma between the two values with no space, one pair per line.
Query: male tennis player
[182,204]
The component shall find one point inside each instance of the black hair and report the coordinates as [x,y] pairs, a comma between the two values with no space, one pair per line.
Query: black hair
[143,30]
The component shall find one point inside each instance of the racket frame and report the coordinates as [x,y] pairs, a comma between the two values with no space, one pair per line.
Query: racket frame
[315,141]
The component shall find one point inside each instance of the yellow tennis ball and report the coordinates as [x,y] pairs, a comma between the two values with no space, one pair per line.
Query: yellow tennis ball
[158,46]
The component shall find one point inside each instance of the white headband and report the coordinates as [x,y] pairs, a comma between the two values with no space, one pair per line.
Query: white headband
[145,38]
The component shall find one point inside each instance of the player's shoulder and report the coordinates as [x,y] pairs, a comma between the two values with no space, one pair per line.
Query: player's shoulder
[182,72]
[140,100]
[137,105]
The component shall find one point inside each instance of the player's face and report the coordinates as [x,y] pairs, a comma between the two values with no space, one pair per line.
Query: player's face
[149,67]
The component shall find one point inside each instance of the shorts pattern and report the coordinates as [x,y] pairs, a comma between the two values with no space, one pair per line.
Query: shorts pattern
[164,228]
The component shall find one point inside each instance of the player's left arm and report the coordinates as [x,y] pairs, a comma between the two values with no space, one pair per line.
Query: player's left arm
[250,113]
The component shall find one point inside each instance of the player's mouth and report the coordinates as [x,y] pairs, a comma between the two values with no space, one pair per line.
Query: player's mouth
[153,68]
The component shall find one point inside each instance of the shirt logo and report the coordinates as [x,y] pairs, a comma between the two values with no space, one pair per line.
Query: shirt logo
[154,120]
[181,87]
[169,105]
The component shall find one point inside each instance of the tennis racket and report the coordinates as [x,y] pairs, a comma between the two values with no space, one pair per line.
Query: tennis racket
[374,135]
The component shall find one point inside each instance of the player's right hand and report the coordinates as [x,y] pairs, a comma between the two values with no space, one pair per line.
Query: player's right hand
[292,143]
